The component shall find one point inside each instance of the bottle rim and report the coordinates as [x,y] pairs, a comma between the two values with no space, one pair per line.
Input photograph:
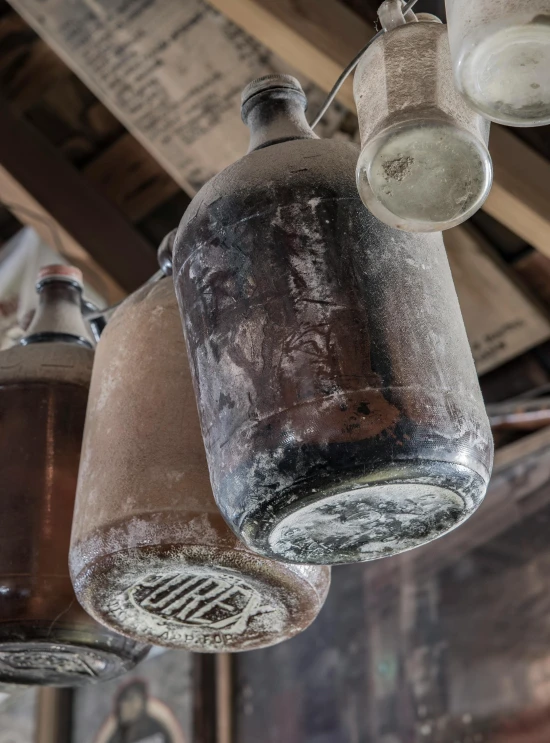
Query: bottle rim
[60,272]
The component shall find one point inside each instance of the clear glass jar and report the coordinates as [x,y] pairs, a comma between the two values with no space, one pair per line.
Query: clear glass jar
[46,638]
[424,164]
[151,555]
[501,58]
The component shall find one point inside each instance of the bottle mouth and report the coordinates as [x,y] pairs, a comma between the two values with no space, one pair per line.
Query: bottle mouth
[54,337]
[275,86]
[270,82]
[59,272]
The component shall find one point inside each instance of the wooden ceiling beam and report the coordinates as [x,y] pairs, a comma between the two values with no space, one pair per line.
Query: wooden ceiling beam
[130,177]
[319,37]
[520,197]
[31,213]
[43,189]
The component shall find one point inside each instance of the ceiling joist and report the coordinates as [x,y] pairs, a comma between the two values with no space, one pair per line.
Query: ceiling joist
[44,190]
[32,214]
[520,197]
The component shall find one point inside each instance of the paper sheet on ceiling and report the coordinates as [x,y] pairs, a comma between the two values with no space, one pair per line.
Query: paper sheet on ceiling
[171,70]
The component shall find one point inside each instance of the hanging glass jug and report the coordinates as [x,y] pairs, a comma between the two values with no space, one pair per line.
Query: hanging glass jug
[338,397]
[501,58]
[45,636]
[151,555]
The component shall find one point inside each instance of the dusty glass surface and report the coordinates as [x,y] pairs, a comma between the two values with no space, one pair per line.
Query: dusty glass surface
[329,356]
[424,164]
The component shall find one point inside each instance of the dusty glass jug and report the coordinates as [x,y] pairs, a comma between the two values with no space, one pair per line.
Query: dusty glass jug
[338,397]
[151,555]
[424,164]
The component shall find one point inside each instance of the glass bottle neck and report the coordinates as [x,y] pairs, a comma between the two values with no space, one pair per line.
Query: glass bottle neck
[58,317]
[274,116]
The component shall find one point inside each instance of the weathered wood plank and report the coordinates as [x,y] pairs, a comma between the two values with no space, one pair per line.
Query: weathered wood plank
[82,126]
[520,197]
[28,66]
[131,178]
[318,37]
[521,191]
[501,320]
[31,213]
[37,82]
[534,270]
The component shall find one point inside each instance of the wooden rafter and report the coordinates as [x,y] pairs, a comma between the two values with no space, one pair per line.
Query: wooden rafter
[44,190]
[32,214]
[317,37]
[131,178]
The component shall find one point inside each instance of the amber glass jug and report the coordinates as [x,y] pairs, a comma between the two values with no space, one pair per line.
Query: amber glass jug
[338,397]
[151,555]
[45,636]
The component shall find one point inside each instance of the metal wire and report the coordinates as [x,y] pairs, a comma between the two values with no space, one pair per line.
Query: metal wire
[350,68]
[341,80]
[102,313]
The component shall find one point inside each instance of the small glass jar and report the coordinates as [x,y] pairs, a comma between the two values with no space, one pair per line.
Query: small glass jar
[424,164]
[501,58]
[151,555]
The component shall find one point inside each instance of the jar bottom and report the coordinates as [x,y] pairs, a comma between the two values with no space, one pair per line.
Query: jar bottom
[382,514]
[368,523]
[39,656]
[198,598]
[506,75]
[424,176]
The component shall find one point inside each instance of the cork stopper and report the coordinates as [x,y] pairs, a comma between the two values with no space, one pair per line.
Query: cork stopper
[270,82]
[59,272]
